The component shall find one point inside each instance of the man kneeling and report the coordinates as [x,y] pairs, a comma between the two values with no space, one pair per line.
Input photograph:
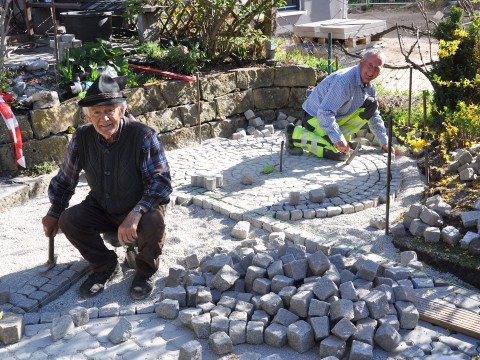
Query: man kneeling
[341,104]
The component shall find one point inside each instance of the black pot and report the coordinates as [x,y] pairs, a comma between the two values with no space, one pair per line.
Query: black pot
[88,25]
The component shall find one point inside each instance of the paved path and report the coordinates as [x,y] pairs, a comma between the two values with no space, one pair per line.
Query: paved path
[361,183]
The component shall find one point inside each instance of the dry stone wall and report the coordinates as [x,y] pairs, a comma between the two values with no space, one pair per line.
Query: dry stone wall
[171,108]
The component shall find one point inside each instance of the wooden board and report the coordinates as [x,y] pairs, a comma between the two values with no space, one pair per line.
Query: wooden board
[340,28]
[449,317]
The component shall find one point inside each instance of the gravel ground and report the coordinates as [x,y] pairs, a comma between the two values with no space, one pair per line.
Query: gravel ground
[25,248]
[189,230]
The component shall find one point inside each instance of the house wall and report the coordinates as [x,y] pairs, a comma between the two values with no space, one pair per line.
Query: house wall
[311,11]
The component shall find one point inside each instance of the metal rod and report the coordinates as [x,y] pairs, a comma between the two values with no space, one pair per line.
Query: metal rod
[51,251]
[161,72]
[336,63]
[329,52]
[424,135]
[281,155]
[389,173]
[55,30]
[410,97]
[199,108]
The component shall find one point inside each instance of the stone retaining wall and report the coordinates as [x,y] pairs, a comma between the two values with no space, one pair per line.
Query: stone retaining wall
[170,107]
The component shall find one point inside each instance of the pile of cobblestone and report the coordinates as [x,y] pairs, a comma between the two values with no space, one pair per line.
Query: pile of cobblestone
[257,127]
[427,221]
[256,295]
[465,165]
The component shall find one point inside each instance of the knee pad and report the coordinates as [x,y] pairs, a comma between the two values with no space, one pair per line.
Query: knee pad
[370,105]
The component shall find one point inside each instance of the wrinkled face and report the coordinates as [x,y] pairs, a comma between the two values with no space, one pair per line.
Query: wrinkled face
[106,119]
[370,68]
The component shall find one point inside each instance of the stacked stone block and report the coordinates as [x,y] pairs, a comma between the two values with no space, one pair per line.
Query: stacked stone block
[297,298]
[65,42]
[209,182]
[326,201]
[426,221]
[466,165]
[256,127]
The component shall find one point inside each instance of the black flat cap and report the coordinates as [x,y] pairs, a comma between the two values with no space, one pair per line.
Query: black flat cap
[103,91]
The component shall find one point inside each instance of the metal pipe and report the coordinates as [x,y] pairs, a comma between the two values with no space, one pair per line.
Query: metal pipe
[281,155]
[329,52]
[51,249]
[389,173]
[55,31]
[424,135]
[410,97]
[199,108]
[161,72]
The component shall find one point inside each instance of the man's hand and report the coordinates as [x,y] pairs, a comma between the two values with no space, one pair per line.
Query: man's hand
[127,231]
[343,147]
[395,152]
[50,225]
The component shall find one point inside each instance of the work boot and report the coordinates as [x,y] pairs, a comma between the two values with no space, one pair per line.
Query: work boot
[142,286]
[335,156]
[291,149]
[97,281]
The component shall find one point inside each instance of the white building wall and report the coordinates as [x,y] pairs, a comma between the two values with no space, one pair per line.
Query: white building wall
[311,11]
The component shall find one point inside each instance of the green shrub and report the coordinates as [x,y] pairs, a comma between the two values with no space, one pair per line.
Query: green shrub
[39,169]
[456,73]
[91,59]
[174,58]
[298,57]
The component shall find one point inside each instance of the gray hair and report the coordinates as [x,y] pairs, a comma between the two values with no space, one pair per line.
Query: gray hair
[374,52]
[123,104]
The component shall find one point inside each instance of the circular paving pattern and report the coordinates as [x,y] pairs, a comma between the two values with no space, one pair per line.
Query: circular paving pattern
[361,184]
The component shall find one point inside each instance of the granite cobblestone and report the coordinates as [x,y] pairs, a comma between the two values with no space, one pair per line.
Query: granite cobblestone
[261,208]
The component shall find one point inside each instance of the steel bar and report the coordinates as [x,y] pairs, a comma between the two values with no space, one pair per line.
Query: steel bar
[389,173]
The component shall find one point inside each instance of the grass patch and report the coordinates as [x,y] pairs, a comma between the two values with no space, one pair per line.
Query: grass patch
[40,169]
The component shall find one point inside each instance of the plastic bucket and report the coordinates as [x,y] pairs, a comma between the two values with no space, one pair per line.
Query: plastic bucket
[88,25]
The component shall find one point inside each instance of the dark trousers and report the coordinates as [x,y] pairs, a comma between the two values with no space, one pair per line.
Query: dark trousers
[82,224]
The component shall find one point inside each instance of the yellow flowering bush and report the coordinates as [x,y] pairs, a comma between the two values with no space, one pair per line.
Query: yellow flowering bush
[447,48]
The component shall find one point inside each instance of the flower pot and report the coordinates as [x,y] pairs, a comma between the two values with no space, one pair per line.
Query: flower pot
[88,25]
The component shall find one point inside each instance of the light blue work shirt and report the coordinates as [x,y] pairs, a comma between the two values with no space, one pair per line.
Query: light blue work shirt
[339,95]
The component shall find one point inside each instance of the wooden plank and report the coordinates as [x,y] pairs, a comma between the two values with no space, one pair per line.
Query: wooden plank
[450,317]
[346,36]
[342,29]
[72,6]
[27,10]
[341,24]
[364,41]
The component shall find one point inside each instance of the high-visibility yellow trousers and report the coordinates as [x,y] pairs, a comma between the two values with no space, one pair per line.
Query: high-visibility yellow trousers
[316,140]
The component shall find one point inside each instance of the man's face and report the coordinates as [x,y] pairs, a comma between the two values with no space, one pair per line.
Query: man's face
[370,68]
[106,119]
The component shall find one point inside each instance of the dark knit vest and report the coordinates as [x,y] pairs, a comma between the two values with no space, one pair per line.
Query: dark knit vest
[113,173]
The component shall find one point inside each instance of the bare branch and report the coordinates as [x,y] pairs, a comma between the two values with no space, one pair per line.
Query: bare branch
[4,16]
